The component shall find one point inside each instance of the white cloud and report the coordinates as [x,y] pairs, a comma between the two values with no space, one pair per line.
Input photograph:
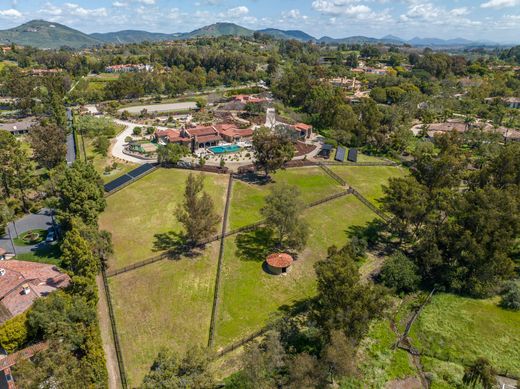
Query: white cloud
[500,3]
[119,4]
[77,10]
[419,13]
[10,13]
[235,12]
[146,2]
[294,14]
[340,7]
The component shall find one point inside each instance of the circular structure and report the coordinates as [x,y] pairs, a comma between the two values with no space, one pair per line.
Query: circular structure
[279,263]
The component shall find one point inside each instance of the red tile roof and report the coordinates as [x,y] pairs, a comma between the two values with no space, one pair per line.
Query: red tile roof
[279,260]
[201,131]
[40,279]
[303,126]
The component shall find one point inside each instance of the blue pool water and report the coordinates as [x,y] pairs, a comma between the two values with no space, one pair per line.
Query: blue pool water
[225,149]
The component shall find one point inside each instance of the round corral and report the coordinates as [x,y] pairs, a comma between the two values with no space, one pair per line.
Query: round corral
[279,263]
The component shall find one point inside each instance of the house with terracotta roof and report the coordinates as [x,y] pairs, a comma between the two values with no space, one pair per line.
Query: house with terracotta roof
[171,136]
[203,136]
[231,133]
[22,282]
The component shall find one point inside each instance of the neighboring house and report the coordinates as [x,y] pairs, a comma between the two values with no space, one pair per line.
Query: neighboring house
[509,134]
[249,99]
[20,127]
[304,130]
[126,68]
[22,282]
[513,102]
[44,72]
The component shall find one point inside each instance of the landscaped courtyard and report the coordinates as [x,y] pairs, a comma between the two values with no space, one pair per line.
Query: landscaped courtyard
[170,302]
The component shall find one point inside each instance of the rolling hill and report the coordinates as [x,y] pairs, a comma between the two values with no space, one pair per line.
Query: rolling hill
[43,34]
[131,36]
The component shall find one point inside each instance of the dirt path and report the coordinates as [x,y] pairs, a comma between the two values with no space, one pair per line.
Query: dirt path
[106,336]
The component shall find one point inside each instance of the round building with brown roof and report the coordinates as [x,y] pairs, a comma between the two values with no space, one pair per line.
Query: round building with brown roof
[279,263]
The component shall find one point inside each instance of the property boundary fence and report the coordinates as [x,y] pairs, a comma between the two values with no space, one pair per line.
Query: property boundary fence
[361,198]
[115,335]
[233,346]
[332,175]
[216,292]
[347,163]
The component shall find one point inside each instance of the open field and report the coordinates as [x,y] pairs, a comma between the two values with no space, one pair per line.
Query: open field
[248,199]
[166,304]
[458,329]
[250,297]
[368,180]
[147,207]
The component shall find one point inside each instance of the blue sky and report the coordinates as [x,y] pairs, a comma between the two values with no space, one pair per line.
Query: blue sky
[497,20]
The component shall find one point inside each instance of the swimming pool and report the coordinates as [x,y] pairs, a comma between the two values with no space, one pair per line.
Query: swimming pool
[224,149]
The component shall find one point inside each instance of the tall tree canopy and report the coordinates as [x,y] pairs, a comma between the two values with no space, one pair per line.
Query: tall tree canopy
[197,212]
[271,150]
[80,194]
[48,142]
[282,211]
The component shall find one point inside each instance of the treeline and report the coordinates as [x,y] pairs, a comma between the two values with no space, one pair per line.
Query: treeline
[459,227]
[67,319]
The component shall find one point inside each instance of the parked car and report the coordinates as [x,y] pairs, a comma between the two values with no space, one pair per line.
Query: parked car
[51,236]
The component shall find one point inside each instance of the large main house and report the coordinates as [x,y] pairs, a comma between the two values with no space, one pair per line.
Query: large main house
[202,137]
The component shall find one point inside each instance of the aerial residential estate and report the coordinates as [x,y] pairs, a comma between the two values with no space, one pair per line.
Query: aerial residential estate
[314,194]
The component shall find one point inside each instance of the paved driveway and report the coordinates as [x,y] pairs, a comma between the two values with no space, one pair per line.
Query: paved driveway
[41,221]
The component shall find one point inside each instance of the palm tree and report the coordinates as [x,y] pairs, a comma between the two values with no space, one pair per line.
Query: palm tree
[481,371]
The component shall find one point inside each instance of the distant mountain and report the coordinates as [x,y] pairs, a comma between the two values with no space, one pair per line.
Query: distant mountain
[348,41]
[217,30]
[392,39]
[132,36]
[43,34]
[287,34]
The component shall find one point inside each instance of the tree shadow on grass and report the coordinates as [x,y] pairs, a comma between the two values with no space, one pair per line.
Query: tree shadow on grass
[255,245]
[176,246]
[255,178]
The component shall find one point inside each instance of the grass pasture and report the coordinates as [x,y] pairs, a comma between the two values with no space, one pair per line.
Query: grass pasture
[248,199]
[458,329]
[250,297]
[169,303]
[147,207]
[166,304]
[368,180]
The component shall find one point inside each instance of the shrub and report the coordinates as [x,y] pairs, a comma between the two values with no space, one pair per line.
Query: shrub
[511,296]
[400,273]
[137,131]
[13,333]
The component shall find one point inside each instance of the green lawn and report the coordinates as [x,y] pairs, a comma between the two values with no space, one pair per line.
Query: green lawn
[166,304]
[459,329]
[248,199]
[44,254]
[147,207]
[100,162]
[368,180]
[250,297]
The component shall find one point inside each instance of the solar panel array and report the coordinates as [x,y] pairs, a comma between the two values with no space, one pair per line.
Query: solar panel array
[352,155]
[341,152]
[140,170]
[125,179]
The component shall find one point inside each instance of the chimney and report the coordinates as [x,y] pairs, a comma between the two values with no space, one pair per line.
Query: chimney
[26,290]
